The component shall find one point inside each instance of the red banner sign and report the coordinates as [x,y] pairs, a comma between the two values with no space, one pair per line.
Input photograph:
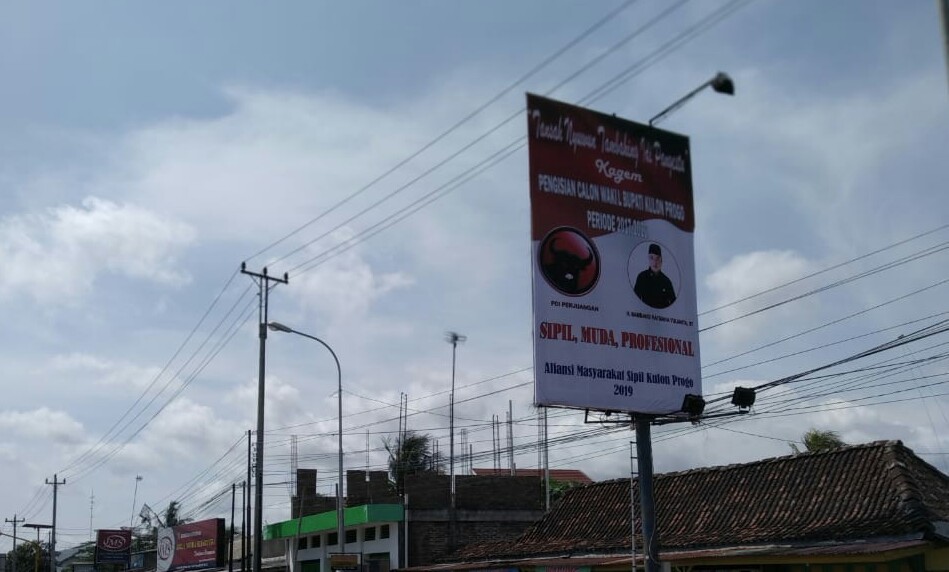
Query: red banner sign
[192,546]
[113,545]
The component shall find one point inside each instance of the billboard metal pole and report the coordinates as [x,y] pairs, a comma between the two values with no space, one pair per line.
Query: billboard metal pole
[647,501]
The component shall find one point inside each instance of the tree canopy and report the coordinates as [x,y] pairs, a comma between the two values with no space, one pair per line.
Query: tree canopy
[409,454]
[28,558]
[817,440]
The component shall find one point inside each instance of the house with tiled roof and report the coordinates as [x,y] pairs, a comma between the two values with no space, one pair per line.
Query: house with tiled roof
[866,508]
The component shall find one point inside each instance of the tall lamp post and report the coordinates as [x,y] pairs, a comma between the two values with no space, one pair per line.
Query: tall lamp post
[453,338]
[721,83]
[138,479]
[340,532]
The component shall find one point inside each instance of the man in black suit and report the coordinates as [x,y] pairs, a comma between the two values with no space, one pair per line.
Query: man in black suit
[652,286]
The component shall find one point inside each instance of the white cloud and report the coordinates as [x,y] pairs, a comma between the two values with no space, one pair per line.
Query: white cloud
[102,371]
[345,286]
[43,423]
[56,257]
[186,429]
[8,452]
[78,361]
[745,275]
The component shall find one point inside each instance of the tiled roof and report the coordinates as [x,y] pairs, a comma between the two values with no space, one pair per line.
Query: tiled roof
[563,475]
[879,489]
[681,558]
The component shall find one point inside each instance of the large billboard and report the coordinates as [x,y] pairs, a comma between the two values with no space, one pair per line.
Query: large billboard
[192,546]
[614,292]
[113,546]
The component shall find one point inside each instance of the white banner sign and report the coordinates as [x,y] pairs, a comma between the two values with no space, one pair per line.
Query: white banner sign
[612,221]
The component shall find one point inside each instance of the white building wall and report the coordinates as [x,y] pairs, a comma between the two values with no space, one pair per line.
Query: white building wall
[322,553]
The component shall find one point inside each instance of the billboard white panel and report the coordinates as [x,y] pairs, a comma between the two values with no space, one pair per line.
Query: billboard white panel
[614,294]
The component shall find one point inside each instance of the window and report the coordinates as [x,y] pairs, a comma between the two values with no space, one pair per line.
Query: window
[377,562]
[315,541]
[332,538]
[369,534]
[301,543]
[351,536]
[384,531]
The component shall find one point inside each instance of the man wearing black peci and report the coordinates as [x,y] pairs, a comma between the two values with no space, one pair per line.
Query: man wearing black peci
[652,286]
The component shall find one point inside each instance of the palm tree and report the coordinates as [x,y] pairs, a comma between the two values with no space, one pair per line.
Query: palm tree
[410,454]
[817,440]
[173,515]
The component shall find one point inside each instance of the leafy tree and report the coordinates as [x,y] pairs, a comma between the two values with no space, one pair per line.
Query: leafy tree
[87,551]
[817,440]
[558,488]
[410,454]
[29,556]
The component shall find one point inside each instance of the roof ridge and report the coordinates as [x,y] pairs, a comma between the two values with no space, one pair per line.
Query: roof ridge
[768,460]
[901,460]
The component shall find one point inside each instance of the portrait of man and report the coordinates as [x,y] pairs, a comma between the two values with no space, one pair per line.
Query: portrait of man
[652,286]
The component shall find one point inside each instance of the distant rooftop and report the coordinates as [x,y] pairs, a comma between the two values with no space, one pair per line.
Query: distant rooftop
[562,475]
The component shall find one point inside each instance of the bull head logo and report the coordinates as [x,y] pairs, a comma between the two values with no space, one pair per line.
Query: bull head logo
[569,261]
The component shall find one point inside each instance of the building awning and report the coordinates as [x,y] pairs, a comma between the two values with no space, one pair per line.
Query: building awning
[326,521]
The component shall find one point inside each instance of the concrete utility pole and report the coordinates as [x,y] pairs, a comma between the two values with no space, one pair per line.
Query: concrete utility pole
[264,286]
[247,514]
[14,521]
[244,526]
[52,537]
[944,18]
[230,557]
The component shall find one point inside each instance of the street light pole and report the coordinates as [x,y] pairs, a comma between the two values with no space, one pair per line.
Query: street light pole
[721,83]
[340,532]
[453,338]
[138,479]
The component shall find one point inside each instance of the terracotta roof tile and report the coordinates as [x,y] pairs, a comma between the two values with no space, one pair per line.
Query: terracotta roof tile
[873,490]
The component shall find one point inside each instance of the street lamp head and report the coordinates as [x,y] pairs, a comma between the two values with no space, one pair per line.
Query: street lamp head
[721,83]
[278,327]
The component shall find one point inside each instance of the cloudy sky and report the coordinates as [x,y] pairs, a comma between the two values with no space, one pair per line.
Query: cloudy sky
[369,149]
